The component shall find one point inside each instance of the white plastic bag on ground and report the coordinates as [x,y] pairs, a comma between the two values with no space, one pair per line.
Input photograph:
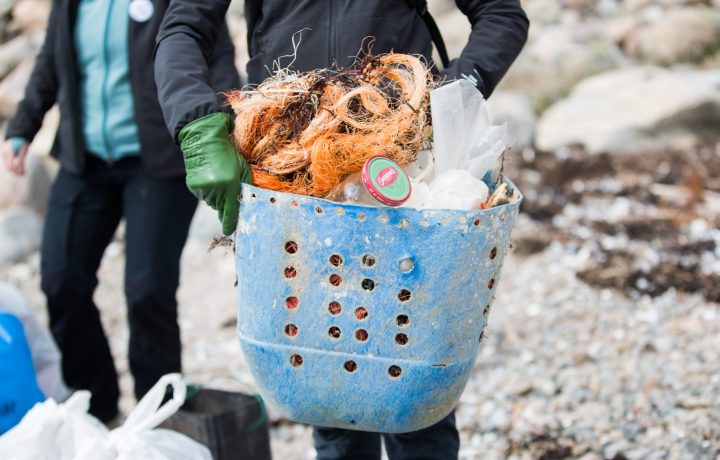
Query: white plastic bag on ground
[137,440]
[46,356]
[52,431]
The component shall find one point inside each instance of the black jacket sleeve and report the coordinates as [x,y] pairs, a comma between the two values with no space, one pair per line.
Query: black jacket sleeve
[41,90]
[499,32]
[183,55]
[223,73]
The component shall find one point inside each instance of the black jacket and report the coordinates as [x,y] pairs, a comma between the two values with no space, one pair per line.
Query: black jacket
[333,30]
[55,80]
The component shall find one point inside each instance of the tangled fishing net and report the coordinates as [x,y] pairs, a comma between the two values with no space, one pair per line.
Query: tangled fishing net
[306,132]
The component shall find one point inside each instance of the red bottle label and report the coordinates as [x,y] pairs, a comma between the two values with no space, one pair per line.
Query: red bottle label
[387,176]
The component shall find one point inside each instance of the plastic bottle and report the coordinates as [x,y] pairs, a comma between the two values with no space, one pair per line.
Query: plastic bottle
[382,182]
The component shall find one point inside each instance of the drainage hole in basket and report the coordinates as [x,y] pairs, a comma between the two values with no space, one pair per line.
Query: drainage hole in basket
[491,283]
[486,310]
[335,279]
[477,222]
[406,265]
[291,247]
[290,272]
[295,204]
[394,371]
[404,295]
[383,219]
[334,308]
[369,260]
[361,217]
[334,332]
[401,339]
[493,253]
[361,313]
[336,260]
[319,210]
[402,320]
[350,366]
[291,330]
[361,335]
[292,302]
[272,200]
[368,284]
[296,360]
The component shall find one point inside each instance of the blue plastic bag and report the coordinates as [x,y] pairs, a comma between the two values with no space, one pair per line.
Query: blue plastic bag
[19,390]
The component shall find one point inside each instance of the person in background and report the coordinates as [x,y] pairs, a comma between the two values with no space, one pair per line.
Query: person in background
[332,32]
[116,161]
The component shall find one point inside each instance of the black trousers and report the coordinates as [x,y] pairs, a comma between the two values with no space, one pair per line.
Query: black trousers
[83,214]
[438,442]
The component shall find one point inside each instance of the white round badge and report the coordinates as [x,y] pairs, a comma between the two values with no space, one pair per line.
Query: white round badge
[141,10]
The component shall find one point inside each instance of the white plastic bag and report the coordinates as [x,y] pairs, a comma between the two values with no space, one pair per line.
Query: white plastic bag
[137,440]
[457,189]
[465,148]
[45,354]
[52,431]
[462,135]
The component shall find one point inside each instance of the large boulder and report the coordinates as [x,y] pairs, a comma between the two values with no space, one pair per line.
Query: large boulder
[555,59]
[515,109]
[635,109]
[12,88]
[13,52]
[638,5]
[20,234]
[681,35]
[31,15]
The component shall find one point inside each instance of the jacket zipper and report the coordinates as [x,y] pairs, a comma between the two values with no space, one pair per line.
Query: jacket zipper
[105,98]
[331,33]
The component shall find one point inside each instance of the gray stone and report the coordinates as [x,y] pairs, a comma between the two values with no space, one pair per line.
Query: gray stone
[6,6]
[515,109]
[543,11]
[681,35]
[557,58]
[13,52]
[31,15]
[637,5]
[20,234]
[635,109]
[12,88]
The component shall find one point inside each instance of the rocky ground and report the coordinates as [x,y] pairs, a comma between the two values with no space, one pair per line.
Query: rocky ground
[604,339]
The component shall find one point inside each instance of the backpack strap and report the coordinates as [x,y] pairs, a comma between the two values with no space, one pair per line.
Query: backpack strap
[421,7]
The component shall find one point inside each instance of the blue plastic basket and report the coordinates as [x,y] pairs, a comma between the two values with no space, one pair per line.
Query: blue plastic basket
[360,317]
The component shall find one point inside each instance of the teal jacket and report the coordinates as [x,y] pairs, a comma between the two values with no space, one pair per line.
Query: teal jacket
[106,100]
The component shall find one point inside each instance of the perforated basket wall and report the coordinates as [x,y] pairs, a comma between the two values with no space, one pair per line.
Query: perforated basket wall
[364,318]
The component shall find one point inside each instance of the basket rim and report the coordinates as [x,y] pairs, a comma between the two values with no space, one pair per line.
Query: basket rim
[293,196]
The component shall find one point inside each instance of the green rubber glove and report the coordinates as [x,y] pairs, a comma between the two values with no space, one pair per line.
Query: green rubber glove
[214,169]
